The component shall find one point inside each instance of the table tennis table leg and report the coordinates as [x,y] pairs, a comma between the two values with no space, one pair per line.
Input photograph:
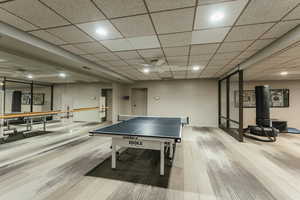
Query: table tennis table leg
[31,124]
[7,124]
[27,125]
[44,123]
[171,150]
[162,158]
[113,155]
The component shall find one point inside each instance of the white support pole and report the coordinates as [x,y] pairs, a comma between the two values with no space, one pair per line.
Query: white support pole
[162,158]
[113,154]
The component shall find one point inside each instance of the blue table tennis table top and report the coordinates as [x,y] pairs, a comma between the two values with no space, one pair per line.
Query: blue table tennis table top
[157,127]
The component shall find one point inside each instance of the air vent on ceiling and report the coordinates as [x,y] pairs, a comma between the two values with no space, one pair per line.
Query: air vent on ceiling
[86,68]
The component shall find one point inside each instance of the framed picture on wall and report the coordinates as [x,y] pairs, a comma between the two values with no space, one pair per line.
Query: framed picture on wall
[279,98]
[25,100]
[38,98]
[248,96]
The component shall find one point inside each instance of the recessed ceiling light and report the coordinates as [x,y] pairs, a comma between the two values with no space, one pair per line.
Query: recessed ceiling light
[63,75]
[101,31]
[29,76]
[146,70]
[196,68]
[284,73]
[217,16]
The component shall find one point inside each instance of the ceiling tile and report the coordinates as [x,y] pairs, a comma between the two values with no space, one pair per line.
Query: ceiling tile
[177,69]
[34,12]
[246,54]
[70,34]
[90,57]
[134,26]
[145,42]
[137,64]
[118,45]
[110,32]
[151,53]
[203,49]
[193,62]
[281,28]
[119,63]
[295,14]
[103,63]
[202,57]
[193,74]
[73,49]
[209,36]
[17,22]
[120,8]
[166,74]
[76,11]
[173,21]
[250,32]
[177,59]
[259,44]
[107,56]
[260,11]
[231,10]
[209,70]
[44,35]
[234,46]
[91,47]
[177,39]
[219,62]
[217,67]
[206,2]
[226,56]
[128,55]
[135,61]
[158,5]
[176,51]
[179,75]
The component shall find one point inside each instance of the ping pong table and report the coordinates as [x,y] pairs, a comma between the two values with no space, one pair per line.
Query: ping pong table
[144,132]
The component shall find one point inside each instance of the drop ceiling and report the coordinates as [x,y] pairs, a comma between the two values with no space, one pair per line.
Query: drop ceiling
[183,33]
[284,65]
[17,67]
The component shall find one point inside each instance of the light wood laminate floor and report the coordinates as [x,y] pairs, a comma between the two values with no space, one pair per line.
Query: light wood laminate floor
[209,164]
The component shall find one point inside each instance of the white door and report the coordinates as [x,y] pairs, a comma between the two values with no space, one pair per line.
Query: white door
[102,105]
[109,105]
[139,101]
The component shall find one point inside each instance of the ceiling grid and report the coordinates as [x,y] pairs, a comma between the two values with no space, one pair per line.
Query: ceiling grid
[173,38]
